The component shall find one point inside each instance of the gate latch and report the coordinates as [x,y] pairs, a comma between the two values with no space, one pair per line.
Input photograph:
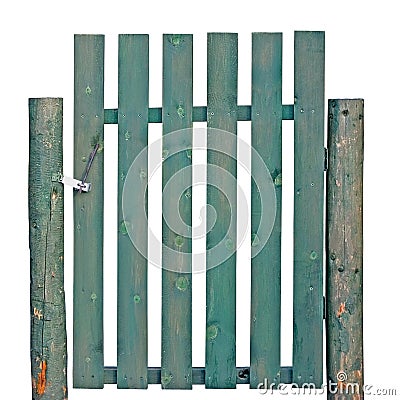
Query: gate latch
[81,185]
[76,184]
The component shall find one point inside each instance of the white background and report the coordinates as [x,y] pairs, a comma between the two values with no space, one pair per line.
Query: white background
[37,61]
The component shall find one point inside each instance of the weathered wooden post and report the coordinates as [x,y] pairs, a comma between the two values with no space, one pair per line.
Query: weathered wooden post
[46,242]
[345,369]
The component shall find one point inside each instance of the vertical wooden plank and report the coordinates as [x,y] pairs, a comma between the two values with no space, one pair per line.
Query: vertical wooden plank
[222,67]
[88,360]
[308,206]
[176,358]
[133,104]
[344,322]
[266,265]
[46,242]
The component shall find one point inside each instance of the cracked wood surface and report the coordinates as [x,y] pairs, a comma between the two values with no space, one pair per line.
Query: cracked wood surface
[46,242]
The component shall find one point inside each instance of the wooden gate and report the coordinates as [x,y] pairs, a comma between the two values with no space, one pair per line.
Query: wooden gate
[343,308]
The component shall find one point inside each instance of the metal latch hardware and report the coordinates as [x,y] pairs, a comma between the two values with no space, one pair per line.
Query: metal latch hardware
[80,185]
[76,184]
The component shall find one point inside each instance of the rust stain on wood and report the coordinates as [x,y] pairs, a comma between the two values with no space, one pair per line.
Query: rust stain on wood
[65,390]
[342,309]
[41,383]
[341,386]
[37,313]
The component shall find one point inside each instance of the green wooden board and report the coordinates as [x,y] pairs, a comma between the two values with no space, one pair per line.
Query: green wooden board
[46,243]
[222,68]
[133,104]
[176,357]
[88,360]
[344,324]
[308,207]
[266,265]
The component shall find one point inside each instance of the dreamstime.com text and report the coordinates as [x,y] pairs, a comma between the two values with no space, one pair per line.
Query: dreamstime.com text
[330,387]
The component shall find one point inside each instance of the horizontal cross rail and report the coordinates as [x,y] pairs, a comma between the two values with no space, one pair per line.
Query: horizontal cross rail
[199,114]
[198,375]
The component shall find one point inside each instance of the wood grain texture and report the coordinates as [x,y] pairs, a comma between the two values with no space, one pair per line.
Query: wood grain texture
[176,356]
[345,246]
[222,69]
[133,104]
[46,242]
[308,207]
[266,265]
[88,360]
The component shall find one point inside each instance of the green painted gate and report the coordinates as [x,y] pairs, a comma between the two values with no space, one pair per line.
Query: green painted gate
[221,113]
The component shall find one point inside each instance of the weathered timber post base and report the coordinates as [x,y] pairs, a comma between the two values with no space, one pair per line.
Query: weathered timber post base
[345,366]
[46,242]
